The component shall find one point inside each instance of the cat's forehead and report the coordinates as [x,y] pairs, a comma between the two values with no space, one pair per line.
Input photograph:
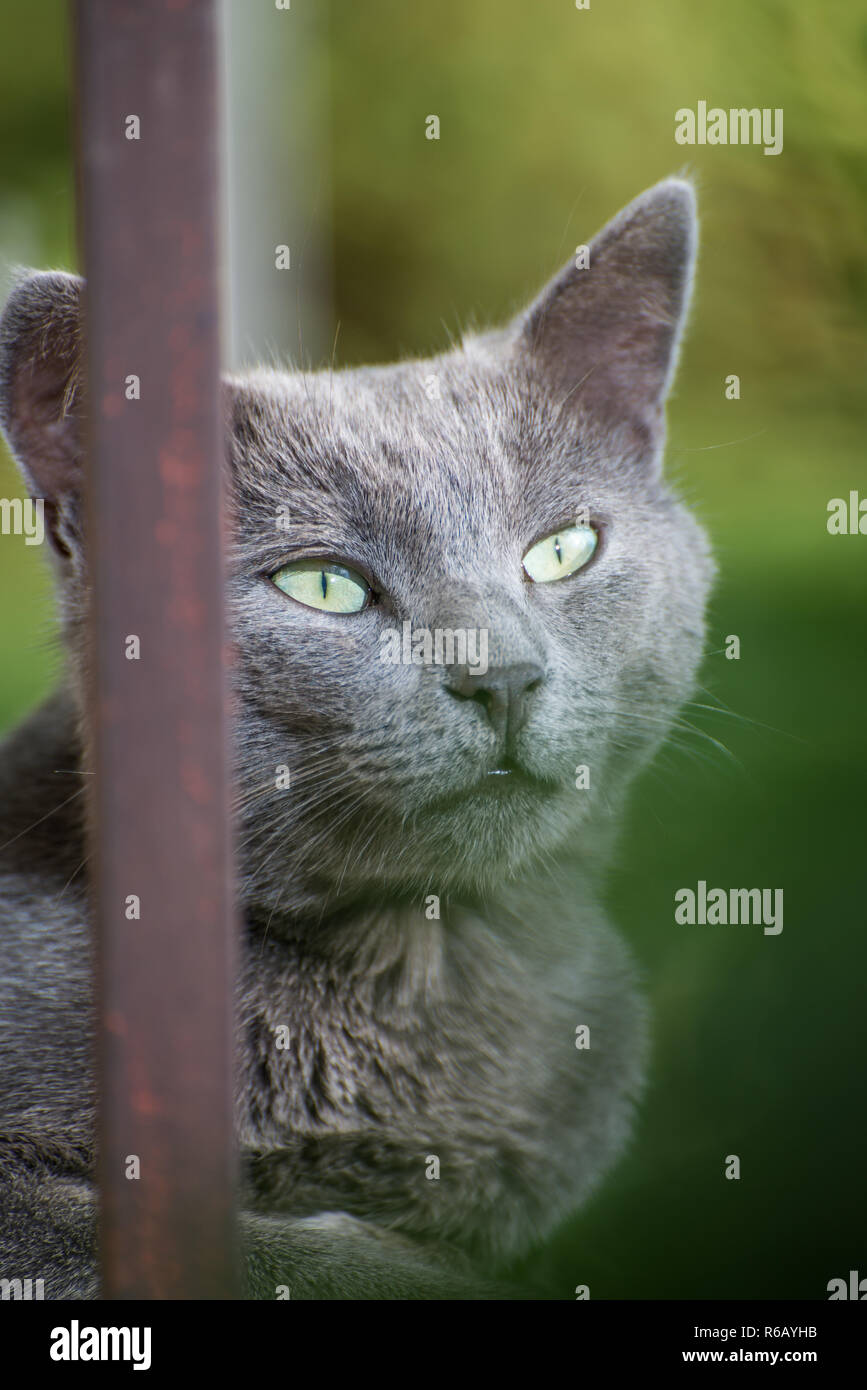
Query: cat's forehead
[429,409]
[464,435]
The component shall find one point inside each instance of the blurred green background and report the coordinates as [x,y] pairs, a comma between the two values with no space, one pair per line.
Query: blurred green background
[551,119]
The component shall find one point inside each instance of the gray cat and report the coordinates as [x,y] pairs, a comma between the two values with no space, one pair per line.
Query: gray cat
[422,904]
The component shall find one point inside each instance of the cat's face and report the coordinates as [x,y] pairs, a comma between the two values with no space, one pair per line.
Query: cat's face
[433,773]
[383,519]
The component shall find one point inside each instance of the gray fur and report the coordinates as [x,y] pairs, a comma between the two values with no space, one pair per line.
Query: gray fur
[410,1037]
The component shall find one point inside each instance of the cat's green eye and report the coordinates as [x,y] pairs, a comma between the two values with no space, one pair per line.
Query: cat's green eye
[561,554]
[323,585]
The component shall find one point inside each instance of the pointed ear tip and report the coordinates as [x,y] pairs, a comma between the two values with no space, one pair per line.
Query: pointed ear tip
[671,208]
[679,185]
[675,196]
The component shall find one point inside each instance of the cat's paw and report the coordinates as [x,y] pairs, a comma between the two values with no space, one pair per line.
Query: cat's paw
[334,1256]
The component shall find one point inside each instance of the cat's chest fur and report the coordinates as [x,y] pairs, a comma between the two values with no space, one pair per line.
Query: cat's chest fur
[426,1072]
[418,1074]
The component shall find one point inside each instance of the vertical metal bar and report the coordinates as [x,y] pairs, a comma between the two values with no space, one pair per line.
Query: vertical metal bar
[162,888]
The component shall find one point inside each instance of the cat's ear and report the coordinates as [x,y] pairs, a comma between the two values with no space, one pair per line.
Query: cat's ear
[41,396]
[604,334]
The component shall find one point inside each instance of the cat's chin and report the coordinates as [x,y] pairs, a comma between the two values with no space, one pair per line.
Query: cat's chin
[477,837]
[463,846]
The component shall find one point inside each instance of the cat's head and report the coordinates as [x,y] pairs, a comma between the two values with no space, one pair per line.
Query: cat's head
[466,606]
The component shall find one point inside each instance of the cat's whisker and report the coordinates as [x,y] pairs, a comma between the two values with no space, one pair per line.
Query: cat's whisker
[85,861]
[349,855]
[726,444]
[311,844]
[727,713]
[277,833]
[331,373]
[42,819]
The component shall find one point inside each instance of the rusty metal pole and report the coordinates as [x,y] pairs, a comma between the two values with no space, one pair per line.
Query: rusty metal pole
[148,135]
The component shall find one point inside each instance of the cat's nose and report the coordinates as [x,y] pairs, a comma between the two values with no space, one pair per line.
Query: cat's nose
[503,693]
